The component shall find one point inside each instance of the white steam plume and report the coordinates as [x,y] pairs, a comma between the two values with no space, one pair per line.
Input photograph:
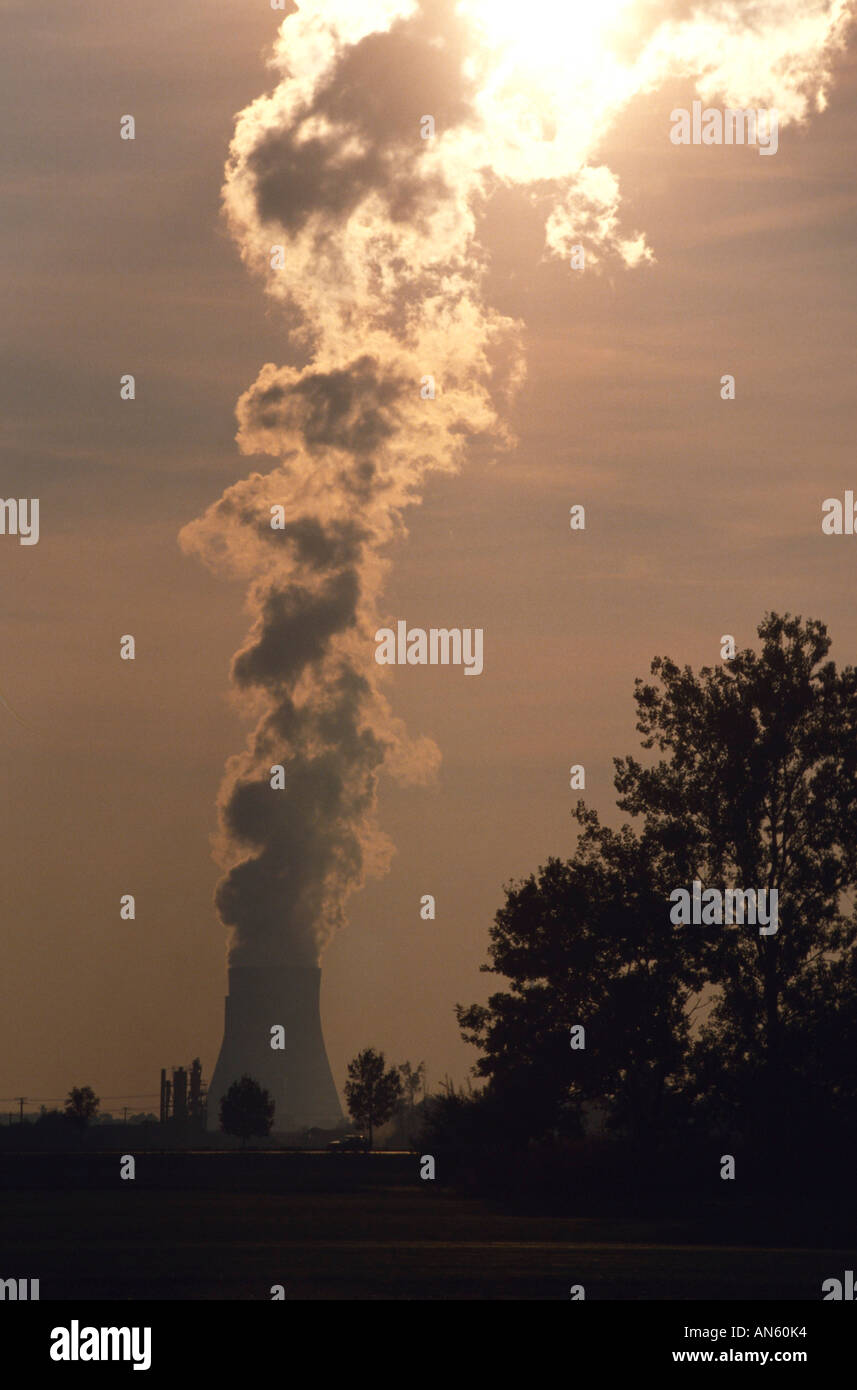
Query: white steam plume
[382,280]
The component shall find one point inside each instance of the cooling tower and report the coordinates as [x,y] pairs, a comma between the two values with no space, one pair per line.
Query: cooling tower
[298,1077]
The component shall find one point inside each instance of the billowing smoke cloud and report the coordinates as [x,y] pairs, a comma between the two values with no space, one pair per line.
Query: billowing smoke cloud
[368,235]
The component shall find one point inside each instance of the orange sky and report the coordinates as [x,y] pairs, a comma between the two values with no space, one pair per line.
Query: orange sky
[701,515]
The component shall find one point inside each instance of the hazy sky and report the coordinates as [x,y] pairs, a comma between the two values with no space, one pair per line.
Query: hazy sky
[701,514]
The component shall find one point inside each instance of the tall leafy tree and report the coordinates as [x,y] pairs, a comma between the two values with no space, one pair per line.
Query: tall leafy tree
[372,1092]
[757,788]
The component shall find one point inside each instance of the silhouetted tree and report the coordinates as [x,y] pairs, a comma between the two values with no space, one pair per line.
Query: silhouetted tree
[584,946]
[758,789]
[412,1080]
[246,1109]
[372,1093]
[81,1105]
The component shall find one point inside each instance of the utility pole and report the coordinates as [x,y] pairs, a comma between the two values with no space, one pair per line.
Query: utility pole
[20,1100]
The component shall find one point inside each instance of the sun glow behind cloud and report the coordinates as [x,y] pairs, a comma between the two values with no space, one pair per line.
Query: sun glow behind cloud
[543,37]
[554,79]
[551,80]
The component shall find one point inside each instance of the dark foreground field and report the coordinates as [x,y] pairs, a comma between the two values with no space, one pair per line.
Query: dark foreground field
[229,1226]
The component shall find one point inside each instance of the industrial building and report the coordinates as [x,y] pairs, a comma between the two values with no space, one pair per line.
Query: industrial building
[183,1099]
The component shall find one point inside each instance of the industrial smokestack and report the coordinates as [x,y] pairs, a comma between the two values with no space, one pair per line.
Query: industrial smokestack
[297,1076]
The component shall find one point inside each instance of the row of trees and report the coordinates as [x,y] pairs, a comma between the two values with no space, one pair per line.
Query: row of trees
[374,1094]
